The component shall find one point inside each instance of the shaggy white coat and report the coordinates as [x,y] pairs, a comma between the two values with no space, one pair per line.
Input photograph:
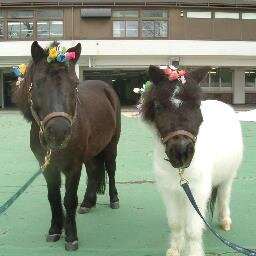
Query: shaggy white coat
[218,154]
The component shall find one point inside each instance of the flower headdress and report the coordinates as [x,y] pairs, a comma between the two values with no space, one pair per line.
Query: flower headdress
[175,74]
[60,54]
[19,71]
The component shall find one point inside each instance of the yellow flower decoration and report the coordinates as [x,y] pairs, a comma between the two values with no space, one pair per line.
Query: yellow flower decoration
[53,53]
[22,68]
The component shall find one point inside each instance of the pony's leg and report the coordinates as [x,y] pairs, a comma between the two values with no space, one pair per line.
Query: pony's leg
[223,200]
[194,224]
[93,168]
[176,219]
[110,153]
[53,180]
[70,203]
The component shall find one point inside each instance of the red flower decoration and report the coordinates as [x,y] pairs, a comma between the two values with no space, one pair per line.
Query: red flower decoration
[168,71]
[182,73]
[174,75]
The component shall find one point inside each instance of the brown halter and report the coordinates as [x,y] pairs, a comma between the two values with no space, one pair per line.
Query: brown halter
[179,132]
[47,118]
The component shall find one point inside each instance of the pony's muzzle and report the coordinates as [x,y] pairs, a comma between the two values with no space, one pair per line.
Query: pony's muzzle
[180,151]
[57,133]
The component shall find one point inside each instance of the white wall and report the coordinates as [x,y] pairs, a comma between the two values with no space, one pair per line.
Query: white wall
[143,52]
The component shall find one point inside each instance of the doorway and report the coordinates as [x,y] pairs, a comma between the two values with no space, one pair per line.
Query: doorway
[8,81]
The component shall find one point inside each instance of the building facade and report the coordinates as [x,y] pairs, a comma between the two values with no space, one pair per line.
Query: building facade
[120,39]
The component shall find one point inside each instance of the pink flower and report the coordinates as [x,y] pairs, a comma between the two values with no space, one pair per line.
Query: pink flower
[70,55]
[174,75]
[168,71]
[182,73]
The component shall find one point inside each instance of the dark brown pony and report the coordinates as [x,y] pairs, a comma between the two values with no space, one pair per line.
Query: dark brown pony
[78,123]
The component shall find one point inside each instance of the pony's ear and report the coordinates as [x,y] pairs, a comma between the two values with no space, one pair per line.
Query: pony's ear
[199,74]
[156,74]
[37,52]
[77,50]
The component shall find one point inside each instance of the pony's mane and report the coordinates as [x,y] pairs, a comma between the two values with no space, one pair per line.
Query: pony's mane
[20,94]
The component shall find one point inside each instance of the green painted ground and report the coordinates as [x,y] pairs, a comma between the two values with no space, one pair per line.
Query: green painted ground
[138,228]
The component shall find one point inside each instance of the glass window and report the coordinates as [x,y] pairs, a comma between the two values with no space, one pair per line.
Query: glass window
[1,14]
[148,29]
[17,30]
[1,29]
[214,78]
[128,28]
[20,14]
[49,29]
[218,77]
[119,28]
[226,15]
[126,14]
[154,14]
[154,28]
[226,77]
[249,16]
[49,13]
[205,82]
[26,29]
[199,15]
[250,78]
[132,28]
[56,28]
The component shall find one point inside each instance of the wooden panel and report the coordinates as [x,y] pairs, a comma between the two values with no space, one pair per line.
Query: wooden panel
[176,25]
[249,30]
[198,29]
[225,29]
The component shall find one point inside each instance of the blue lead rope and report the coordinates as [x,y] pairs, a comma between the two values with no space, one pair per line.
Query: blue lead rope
[235,247]
[10,201]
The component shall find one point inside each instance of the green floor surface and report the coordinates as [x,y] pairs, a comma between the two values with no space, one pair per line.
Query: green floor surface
[138,228]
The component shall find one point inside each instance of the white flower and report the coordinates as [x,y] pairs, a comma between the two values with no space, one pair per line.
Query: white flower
[136,90]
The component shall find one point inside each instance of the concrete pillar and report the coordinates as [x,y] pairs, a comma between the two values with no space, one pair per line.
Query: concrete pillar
[238,86]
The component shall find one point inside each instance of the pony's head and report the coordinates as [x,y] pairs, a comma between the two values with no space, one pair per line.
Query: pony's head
[173,107]
[49,92]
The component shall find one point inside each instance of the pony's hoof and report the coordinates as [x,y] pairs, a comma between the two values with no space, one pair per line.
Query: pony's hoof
[172,252]
[114,205]
[83,210]
[71,246]
[53,238]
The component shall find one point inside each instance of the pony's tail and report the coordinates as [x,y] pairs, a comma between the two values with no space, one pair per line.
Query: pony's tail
[212,201]
[101,178]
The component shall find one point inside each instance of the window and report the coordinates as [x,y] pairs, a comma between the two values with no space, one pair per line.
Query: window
[250,78]
[216,78]
[125,23]
[49,29]
[125,28]
[49,13]
[248,16]
[20,14]
[125,14]
[1,29]
[20,30]
[1,14]
[1,24]
[154,23]
[154,28]
[199,15]
[227,15]
[154,14]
